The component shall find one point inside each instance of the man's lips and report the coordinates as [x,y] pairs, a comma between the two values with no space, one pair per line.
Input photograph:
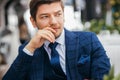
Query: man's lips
[56,29]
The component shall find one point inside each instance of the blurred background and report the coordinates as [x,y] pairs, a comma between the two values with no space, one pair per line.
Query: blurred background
[99,16]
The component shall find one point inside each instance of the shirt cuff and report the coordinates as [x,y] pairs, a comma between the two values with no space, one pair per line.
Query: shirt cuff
[27,52]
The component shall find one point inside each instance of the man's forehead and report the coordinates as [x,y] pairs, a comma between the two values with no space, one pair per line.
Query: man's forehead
[56,7]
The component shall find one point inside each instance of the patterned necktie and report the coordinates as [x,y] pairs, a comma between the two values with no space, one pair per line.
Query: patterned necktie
[55,60]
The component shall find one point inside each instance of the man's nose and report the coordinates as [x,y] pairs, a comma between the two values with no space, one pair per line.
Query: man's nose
[53,20]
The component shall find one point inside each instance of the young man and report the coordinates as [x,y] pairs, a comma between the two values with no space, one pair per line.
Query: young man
[77,56]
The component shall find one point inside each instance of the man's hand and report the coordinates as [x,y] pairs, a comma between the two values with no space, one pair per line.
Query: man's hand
[40,37]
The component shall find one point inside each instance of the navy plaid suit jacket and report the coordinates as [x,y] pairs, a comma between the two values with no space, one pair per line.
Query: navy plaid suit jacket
[85,59]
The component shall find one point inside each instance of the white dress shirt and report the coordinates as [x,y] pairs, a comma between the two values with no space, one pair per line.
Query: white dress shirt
[60,48]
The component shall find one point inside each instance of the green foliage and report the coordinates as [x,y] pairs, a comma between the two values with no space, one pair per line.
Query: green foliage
[98,25]
[111,75]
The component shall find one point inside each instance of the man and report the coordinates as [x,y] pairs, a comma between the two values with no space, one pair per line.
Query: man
[80,55]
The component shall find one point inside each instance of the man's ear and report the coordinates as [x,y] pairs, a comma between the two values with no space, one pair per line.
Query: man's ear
[33,22]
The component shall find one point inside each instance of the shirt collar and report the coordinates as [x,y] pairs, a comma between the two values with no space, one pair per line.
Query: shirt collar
[60,39]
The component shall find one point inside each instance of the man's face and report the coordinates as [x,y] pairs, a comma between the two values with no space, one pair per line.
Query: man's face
[50,15]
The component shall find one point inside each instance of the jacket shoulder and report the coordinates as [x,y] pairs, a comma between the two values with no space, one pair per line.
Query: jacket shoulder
[83,34]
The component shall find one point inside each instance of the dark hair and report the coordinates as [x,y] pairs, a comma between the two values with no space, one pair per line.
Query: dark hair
[34,4]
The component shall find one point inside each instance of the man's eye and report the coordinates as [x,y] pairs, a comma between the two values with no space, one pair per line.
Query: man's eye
[58,14]
[44,17]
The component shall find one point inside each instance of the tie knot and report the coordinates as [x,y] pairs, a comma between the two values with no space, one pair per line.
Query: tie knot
[53,45]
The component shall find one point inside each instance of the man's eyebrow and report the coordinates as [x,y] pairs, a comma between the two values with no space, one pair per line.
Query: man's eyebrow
[58,11]
[42,14]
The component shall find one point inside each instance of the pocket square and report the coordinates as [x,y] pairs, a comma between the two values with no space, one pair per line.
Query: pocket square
[84,59]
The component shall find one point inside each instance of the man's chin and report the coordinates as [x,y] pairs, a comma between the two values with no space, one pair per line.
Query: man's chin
[57,35]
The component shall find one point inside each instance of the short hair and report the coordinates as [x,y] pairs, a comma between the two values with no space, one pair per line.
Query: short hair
[34,4]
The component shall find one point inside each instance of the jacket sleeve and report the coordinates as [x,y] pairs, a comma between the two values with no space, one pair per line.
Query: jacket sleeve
[20,67]
[100,64]
[94,62]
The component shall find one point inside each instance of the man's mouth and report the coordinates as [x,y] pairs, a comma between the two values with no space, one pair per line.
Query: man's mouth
[55,29]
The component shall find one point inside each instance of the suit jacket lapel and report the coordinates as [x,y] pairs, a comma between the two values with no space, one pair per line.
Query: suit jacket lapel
[71,41]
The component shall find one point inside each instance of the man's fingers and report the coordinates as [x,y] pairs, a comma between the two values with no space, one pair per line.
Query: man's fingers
[51,35]
[50,29]
[48,35]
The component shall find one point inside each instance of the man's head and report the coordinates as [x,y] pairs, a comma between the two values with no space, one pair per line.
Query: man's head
[34,4]
[47,13]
